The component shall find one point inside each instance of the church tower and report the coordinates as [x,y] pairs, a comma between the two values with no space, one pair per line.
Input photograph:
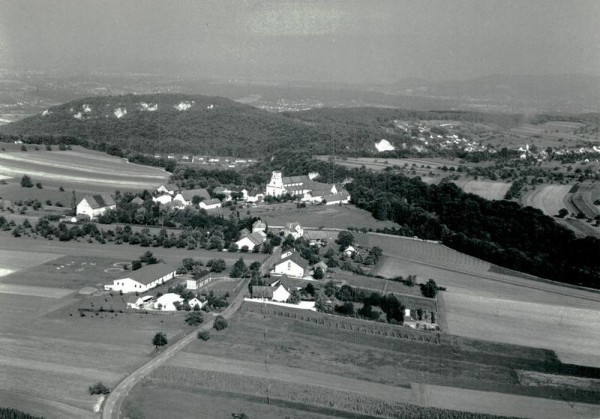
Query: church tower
[275,186]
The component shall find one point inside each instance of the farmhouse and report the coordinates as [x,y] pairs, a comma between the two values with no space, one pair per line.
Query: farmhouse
[210,204]
[169,188]
[164,198]
[95,205]
[252,240]
[252,196]
[259,225]
[292,265]
[276,293]
[220,190]
[196,302]
[186,197]
[337,198]
[138,302]
[294,229]
[143,279]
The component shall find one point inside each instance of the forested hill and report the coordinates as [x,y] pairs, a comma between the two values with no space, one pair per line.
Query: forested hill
[169,123]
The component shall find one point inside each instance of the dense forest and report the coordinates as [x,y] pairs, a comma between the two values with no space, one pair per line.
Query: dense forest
[216,126]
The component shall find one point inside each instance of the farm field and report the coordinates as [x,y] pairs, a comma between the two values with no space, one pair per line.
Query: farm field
[486,189]
[11,260]
[550,199]
[380,163]
[80,167]
[583,199]
[502,404]
[333,216]
[571,332]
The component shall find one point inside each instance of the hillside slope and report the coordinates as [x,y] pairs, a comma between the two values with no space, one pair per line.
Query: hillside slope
[175,123]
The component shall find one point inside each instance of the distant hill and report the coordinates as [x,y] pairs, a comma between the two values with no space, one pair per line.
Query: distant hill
[176,123]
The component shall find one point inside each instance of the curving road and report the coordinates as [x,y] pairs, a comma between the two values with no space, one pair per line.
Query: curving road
[112,405]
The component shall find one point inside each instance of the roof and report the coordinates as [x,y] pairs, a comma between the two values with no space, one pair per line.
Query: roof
[189,194]
[262,292]
[169,298]
[259,223]
[256,238]
[292,226]
[149,273]
[221,189]
[297,259]
[342,196]
[244,232]
[321,265]
[100,200]
[294,179]
[212,201]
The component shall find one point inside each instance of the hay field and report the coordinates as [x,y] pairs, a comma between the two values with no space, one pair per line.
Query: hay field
[80,166]
[584,200]
[550,199]
[502,404]
[486,189]
[571,332]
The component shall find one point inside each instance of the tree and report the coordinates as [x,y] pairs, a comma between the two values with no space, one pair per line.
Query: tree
[194,318]
[23,148]
[98,388]
[429,289]
[39,185]
[294,297]
[345,239]
[136,264]
[216,265]
[160,339]
[563,213]
[204,335]
[26,182]
[318,274]
[239,269]
[220,323]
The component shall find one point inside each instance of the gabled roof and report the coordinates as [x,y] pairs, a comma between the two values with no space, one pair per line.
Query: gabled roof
[297,259]
[100,200]
[342,196]
[258,223]
[244,232]
[221,189]
[294,179]
[150,273]
[256,238]
[189,194]
[262,292]
[212,201]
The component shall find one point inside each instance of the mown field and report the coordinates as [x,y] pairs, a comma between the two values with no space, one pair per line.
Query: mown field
[550,199]
[583,199]
[333,216]
[486,189]
[478,294]
[78,169]
[283,359]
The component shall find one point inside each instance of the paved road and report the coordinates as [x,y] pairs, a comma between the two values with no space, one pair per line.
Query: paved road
[112,404]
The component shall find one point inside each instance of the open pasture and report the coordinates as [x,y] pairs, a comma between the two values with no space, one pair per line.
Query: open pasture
[583,199]
[486,189]
[571,332]
[333,216]
[68,272]
[81,167]
[50,355]
[550,199]
[14,261]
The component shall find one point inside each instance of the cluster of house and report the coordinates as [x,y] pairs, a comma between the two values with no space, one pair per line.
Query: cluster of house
[307,189]
[171,194]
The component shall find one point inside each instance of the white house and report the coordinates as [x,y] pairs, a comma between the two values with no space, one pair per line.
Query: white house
[136,302]
[95,205]
[252,196]
[187,196]
[259,225]
[164,198]
[303,186]
[220,190]
[276,293]
[295,229]
[252,240]
[143,279]
[349,251]
[293,266]
[169,188]
[196,302]
[167,302]
[212,203]
[337,198]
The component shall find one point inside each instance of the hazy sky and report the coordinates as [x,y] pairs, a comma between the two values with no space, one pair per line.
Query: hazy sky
[346,40]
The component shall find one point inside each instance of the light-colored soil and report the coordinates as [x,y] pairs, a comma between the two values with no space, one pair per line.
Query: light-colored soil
[14,261]
[571,332]
[550,199]
[501,404]
[486,189]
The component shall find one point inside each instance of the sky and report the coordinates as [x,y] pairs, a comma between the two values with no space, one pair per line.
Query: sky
[349,41]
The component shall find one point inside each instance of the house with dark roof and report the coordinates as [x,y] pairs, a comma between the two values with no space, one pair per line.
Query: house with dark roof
[143,279]
[95,205]
[169,188]
[294,266]
[337,198]
[252,240]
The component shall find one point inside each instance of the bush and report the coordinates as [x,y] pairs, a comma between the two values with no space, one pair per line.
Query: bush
[194,318]
[204,335]
[38,185]
[98,388]
[26,182]
[220,323]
